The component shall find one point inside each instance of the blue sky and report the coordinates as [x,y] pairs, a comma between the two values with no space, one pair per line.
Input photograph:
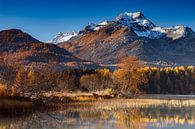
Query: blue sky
[43,19]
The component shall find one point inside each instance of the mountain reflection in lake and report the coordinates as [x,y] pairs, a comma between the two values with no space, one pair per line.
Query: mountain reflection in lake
[89,117]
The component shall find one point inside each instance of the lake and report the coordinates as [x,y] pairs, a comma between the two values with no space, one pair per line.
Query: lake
[172,112]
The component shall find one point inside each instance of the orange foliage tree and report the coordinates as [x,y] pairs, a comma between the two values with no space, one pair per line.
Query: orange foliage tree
[129,76]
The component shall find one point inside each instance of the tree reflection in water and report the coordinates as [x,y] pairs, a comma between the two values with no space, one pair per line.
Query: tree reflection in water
[109,118]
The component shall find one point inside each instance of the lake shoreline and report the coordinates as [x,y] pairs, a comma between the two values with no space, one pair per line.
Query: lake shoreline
[14,105]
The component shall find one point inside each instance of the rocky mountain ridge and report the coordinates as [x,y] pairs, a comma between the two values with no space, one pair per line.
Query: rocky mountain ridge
[134,34]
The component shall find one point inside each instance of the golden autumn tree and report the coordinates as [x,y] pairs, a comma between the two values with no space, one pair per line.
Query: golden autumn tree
[19,83]
[90,82]
[36,82]
[130,75]
[105,78]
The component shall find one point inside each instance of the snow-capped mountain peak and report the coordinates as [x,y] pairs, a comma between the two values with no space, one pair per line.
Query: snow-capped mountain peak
[134,19]
[145,28]
[137,22]
[62,37]
[135,15]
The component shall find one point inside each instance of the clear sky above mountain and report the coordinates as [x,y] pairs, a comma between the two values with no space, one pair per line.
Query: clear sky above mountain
[45,18]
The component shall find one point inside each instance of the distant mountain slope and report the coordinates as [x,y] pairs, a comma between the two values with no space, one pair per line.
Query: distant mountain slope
[134,34]
[15,36]
[20,48]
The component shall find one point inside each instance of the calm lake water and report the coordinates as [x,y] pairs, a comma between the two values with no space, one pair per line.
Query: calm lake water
[90,116]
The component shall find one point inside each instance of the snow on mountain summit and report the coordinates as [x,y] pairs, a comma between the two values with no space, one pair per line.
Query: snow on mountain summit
[145,28]
[135,21]
[62,37]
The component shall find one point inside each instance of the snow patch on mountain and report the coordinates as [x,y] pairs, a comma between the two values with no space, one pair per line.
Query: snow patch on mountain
[158,29]
[176,32]
[96,27]
[103,23]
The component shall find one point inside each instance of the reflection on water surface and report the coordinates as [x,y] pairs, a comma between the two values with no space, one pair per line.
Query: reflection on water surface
[90,117]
